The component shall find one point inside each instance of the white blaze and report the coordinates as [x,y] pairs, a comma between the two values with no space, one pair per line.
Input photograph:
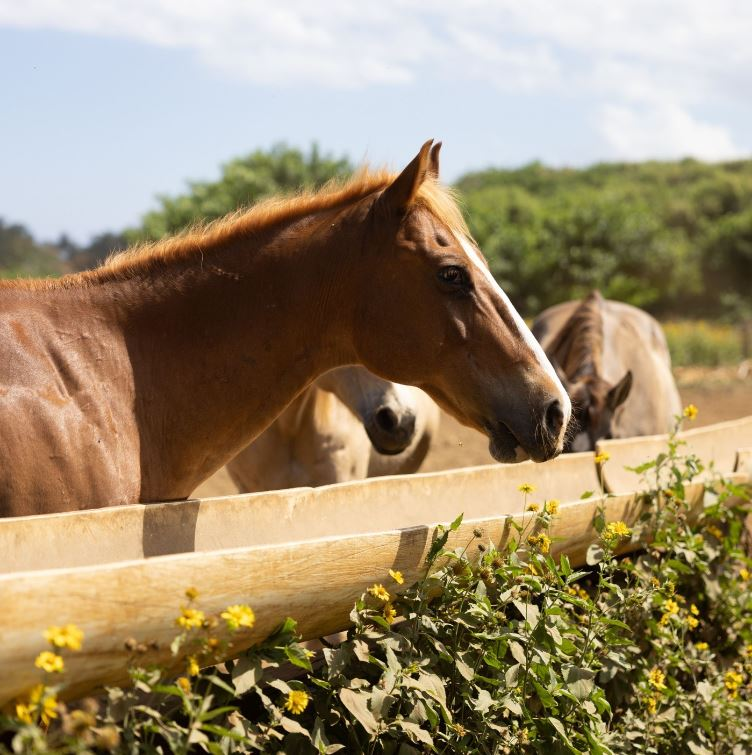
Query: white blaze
[529,338]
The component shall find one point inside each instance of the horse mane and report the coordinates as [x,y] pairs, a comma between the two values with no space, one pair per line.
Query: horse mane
[578,346]
[337,195]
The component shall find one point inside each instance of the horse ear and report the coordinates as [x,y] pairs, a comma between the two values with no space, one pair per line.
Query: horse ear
[433,161]
[618,394]
[401,192]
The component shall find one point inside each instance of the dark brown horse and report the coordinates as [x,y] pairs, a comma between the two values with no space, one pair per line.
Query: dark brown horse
[136,381]
[615,363]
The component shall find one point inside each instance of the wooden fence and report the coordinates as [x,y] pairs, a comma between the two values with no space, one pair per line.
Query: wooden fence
[121,573]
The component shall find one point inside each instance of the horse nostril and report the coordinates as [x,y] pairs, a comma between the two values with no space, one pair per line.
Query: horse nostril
[554,418]
[386,419]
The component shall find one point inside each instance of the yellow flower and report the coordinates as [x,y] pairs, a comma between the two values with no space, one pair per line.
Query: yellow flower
[651,703]
[544,543]
[655,582]
[671,606]
[526,487]
[571,590]
[692,622]
[42,702]
[69,636]
[616,530]
[397,576]
[49,662]
[190,618]
[715,532]
[533,507]
[690,411]
[552,506]
[694,610]
[191,593]
[744,574]
[23,713]
[193,667]
[748,651]
[656,678]
[602,457]
[665,619]
[184,684]
[701,645]
[238,616]
[297,701]
[733,680]
[583,594]
[389,613]
[380,592]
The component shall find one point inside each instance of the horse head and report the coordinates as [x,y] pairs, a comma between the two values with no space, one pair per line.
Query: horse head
[430,313]
[387,410]
[594,404]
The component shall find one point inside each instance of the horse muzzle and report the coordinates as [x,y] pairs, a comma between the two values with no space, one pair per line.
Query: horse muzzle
[389,431]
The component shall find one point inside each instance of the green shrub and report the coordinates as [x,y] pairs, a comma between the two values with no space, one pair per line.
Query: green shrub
[697,342]
[492,652]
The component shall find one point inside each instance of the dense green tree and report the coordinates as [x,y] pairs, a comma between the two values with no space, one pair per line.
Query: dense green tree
[669,237]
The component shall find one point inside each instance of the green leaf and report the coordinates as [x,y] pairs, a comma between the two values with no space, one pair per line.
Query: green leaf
[291,726]
[357,703]
[564,565]
[594,554]
[580,681]
[464,669]
[544,695]
[529,611]
[298,656]
[518,652]
[381,701]
[484,701]
[246,673]
[416,733]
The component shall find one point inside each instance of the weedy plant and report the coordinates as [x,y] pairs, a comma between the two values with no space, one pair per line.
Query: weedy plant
[493,651]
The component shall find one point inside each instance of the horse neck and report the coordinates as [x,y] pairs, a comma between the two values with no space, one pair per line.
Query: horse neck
[221,343]
[579,346]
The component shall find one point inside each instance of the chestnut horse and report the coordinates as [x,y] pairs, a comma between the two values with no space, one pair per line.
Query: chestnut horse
[614,360]
[136,381]
[348,425]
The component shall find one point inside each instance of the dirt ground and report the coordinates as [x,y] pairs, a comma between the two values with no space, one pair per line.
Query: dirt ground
[719,394]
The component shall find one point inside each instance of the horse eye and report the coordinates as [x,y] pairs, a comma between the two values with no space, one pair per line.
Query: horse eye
[454,275]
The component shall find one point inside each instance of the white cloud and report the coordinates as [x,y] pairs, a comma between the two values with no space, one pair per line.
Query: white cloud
[662,131]
[651,61]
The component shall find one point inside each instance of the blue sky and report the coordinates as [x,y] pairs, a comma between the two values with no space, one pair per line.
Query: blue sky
[107,105]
